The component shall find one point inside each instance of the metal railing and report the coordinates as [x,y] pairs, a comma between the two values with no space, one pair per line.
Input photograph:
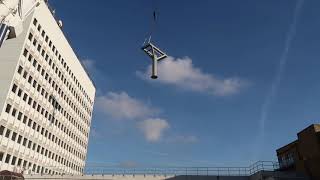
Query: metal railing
[201,171]
[157,171]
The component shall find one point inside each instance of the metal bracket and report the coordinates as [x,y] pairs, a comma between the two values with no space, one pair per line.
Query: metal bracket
[156,55]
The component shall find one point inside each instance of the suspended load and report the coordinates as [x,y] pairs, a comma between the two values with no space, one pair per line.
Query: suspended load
[152,50]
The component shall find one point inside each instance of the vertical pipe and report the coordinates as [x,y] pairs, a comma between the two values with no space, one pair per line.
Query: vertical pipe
[154,68]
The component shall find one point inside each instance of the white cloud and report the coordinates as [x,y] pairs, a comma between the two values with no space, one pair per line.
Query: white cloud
[122,106]
[153,129]
[182,73]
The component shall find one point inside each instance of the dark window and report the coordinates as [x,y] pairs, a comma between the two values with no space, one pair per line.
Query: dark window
[19,92]
[29,144]
[19,139]
[14,112]
[30,36]
[34,125]
[29,122]
[14,159]
[24,141]
[34,42]
[39,47]
[20,69]
[8,108]
[1,156]
[19,116]
[25,52]
[34,63]
[25,96]
[30,58]
[30,79]
[19,162]
[8,133]
[8,158]
[14,88]
[1,130]
[14,136]
[35,21]
[25,119]
[25,74]
[30,101]
[34,83]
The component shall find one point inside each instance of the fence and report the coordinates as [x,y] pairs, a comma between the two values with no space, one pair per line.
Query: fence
[201,171]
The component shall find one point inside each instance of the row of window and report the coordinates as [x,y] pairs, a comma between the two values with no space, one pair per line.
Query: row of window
[63,63]
[25,164]
[44,132]
[55,86]
[15,137]
[48,97]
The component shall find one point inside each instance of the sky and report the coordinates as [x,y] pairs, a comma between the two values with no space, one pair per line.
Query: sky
[240,81]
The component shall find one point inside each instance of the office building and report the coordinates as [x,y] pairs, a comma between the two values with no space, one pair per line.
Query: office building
[46,100]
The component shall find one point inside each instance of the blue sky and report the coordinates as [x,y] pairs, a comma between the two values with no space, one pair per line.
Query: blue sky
[240,82]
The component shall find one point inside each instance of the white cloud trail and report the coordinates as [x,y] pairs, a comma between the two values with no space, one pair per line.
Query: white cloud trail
[280,70]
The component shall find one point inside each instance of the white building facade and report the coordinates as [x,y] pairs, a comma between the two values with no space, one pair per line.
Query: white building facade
[46,100]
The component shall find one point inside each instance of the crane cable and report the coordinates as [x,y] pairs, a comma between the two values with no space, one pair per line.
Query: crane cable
[155,17]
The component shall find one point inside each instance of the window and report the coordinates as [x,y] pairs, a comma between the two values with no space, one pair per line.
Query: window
[8,108]
[8,133]
[8,158]
[39,47]
[25,96]
[34,83]
[34,42]
[25,119]
[19,92]
[34,63]
[19,139]
[25,74]
[30,79]
[30,58]
[1,130]
[14,112]
[30,36]
[35,21]
[14,136]
[1,156]
[29,144]
[14,159]
[24,141]
[29,122]
[34,125]
[30,101]
[25,52]
[19,162]
[14,88]
[20,69]
[19,116]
